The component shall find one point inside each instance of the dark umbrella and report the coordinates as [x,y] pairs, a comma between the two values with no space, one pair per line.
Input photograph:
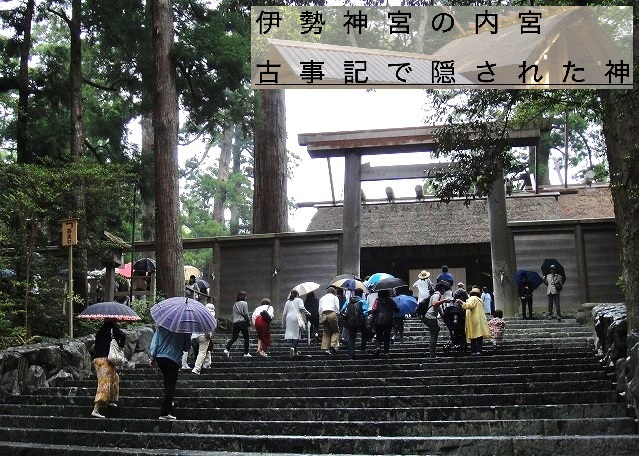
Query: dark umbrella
[559,269]
[109,310]
[388,283]
[345,276]
[183,315]
[144,264]
[533,277]
[202,284]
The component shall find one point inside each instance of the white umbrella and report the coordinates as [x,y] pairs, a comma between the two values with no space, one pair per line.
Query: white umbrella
[306,287]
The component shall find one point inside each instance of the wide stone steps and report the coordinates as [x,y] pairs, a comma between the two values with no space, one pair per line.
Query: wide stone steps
[542,392]
[187,443]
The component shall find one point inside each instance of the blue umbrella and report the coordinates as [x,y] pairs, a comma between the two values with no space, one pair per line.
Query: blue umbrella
[534,278]
[407,305]
[372,280]
[350,284]
[183,315]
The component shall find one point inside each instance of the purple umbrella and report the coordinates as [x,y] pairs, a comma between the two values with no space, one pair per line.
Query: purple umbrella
[183,315]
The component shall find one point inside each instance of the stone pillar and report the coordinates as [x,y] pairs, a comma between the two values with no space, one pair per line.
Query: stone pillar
[351,213]
[502,251]
[582,268]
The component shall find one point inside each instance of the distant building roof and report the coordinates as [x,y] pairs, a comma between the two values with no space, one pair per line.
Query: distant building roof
[435,222]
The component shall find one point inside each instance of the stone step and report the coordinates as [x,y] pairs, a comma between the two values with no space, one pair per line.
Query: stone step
[220,381]
[293,389]
[337,399]
[186,442]
[394,413]
[538,427]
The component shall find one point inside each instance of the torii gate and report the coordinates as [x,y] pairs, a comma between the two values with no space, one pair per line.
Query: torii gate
[352,145]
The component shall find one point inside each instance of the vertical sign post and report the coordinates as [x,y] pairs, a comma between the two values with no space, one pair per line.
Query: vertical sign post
[70,238]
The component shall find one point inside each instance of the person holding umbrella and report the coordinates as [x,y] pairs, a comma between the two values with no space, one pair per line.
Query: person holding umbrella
[176,319]
[555,283]
[108,391]
[526,289]
[166,352]
[383,311]
[294,312]
[328,310]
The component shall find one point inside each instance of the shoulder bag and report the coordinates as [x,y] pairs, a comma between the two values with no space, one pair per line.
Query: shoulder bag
[116,354]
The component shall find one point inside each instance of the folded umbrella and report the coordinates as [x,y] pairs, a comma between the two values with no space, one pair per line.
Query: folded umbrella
[389,283]
[183,315]
[533,277]
[110,310]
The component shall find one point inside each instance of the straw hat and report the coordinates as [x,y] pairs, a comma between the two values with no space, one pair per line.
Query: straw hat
[475,290]
[424,274]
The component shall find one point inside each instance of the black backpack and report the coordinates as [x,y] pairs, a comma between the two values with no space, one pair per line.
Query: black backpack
[423,306]
[354,314]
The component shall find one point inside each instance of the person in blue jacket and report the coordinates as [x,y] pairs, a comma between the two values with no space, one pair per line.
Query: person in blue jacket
[166,352]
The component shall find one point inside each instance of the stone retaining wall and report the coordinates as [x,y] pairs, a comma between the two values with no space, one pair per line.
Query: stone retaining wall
[42,365]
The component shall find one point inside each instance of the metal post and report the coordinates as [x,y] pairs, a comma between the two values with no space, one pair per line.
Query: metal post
[135,192]
[70,291]
[330,176]
[566,150]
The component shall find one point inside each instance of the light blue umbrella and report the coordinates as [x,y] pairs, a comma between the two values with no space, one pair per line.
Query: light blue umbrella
[372,280]
[183,315]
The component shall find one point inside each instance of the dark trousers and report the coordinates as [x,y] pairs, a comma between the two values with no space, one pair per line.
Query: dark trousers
[383,335]
[170,370]
[433,329]
[476,344]
[526,301]
[398,328]
[554,299]
[239,327]
[352,335]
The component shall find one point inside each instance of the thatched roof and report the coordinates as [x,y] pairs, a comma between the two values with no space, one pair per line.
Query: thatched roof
[435,223]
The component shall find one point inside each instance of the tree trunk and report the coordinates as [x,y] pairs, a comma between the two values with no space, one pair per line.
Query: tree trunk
[269,197]
[22,142]
[621,129]
[234,223]
[170,275]
[223,171]
[147,182]
[77,148]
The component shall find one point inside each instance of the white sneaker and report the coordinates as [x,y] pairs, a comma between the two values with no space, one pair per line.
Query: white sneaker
[185,366]
[227,353]
[196,371]
[96,415]
[248,355]
[168,418]
[291,352]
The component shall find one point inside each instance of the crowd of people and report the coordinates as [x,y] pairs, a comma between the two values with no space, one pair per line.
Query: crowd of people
[340,317]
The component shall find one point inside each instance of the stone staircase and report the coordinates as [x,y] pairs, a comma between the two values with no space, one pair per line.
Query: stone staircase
[543,392]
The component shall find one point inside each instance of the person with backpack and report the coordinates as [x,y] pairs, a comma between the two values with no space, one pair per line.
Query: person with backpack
[355,311]
[430,314]
[383,311]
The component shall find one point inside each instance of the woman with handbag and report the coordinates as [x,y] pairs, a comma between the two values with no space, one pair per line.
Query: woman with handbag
[108,391]
[294,320]
[263,327]
[241,323]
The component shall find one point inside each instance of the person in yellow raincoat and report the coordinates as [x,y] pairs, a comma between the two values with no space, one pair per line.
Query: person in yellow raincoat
[476,323]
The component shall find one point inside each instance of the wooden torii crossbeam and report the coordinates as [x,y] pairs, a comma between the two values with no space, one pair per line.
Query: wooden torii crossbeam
[352,145]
